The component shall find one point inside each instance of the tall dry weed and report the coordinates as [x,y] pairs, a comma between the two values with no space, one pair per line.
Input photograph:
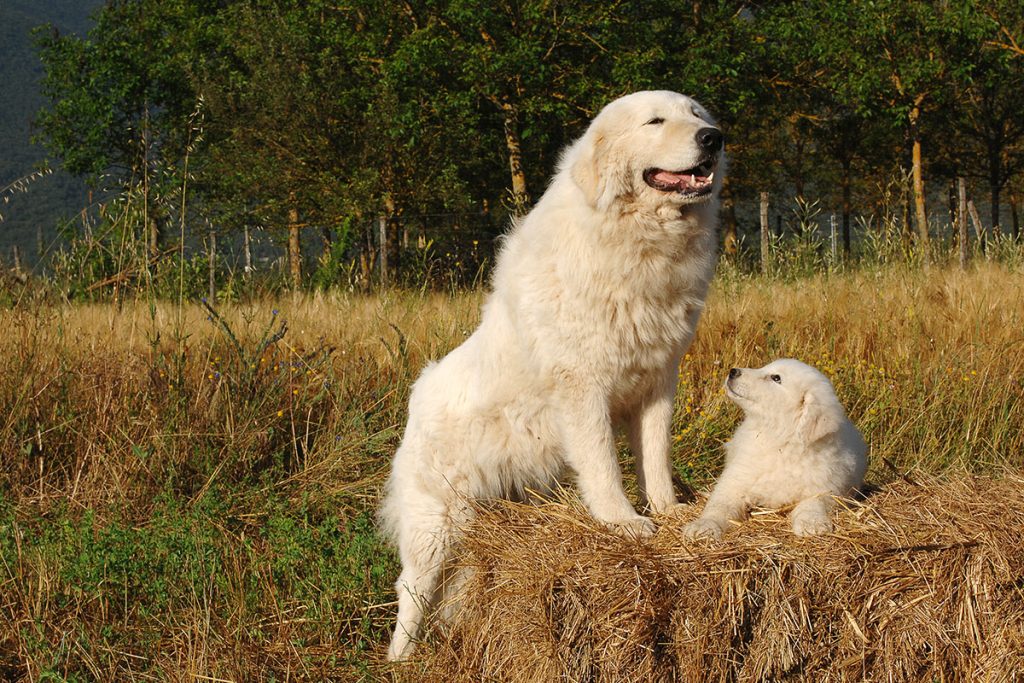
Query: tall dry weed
[188,495]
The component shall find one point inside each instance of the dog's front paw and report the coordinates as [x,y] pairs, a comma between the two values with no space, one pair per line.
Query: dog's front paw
[811,525]
[637,526]
[703,527]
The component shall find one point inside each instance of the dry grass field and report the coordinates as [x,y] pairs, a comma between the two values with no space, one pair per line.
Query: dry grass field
[190,496]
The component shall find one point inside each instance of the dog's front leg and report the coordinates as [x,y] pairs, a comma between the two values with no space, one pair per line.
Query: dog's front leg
[725,504]
[813,516]
[649,430]
[590,451]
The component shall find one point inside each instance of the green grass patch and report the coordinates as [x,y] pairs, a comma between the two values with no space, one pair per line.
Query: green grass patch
[121,597]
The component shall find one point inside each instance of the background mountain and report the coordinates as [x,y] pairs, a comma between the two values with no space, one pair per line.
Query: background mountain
[53,197]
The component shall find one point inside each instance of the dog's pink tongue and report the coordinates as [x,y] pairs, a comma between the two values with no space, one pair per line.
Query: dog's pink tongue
[669,178]
[681,181]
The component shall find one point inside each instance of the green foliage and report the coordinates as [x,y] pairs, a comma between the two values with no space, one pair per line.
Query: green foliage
[333,267]
[123,93]
[283,114]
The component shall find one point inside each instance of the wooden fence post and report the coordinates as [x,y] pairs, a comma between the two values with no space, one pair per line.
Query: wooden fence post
[294,247]
[961,220]
[211,257]
[832,236]
[765,255]
[979,230]
[382,227]
[248,251]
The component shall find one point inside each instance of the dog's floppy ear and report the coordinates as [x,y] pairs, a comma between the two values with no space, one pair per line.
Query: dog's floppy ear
[596,172]
[820,415]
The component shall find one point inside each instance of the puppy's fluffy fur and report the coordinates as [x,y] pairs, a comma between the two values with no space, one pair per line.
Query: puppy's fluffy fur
[596,295]
[796,446]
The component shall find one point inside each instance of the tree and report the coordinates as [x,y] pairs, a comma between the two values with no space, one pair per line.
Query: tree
[829,131]
[889,58]
[536,70]
[1008,19]
[277,147]
[988,96]
[121,99]
[319,113]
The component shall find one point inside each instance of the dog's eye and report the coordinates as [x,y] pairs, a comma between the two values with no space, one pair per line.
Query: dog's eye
[656,121]
[776,379]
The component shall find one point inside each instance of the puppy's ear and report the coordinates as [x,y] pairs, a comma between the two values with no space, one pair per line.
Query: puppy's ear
[598,174]
[820,416]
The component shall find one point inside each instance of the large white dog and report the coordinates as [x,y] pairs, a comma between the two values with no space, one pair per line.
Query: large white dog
[795,447]
[596,295]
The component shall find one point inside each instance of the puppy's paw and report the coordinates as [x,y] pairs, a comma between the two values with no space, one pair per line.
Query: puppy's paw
[637,526]
[702,527]
[811,525]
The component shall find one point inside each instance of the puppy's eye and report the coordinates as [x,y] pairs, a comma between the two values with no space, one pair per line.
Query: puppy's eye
[776,379]
[656,121]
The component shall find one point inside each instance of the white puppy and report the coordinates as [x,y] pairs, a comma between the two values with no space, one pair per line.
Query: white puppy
[596,295]
[796,446]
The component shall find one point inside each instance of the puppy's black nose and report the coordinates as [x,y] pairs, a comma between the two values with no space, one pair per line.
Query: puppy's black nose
[734,373]
[710,139]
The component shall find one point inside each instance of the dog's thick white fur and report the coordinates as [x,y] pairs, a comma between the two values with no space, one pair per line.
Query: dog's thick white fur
[596,294]
[795,446]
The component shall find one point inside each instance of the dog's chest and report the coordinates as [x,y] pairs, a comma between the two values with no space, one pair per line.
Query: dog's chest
[641,333]
[650,307]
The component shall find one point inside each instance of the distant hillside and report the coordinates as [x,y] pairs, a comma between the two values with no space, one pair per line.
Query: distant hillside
[58,195]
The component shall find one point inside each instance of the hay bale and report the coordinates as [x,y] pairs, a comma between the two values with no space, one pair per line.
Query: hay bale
[919,582]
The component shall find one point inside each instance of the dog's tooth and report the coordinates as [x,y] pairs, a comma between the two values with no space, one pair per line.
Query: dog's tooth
[711,176]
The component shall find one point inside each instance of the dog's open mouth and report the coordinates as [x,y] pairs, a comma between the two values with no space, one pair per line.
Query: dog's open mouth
[692,182]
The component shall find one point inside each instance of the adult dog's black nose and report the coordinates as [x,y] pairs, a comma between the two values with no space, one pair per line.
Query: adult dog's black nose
[734,373]
[710,139]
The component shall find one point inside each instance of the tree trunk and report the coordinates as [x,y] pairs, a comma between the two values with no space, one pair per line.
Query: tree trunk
[995,176]
[382,240]
[294,249]
[919,208]
[951,203]
[155,238]
[907,235]
[730,241]
[765,251]
[368,254]
[847,204]
[961,221]
[520,197]
[392,246]
[994,192]
[212,265]
[1014,215]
